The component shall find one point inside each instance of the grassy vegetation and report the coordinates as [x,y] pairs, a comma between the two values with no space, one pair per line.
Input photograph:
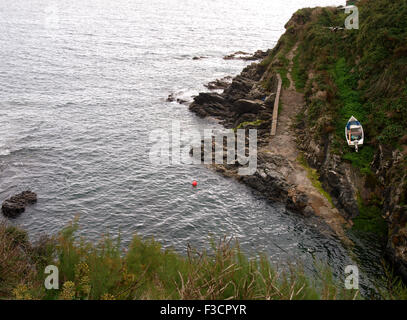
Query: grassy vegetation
[370,219]
[353,72]
[255,123]
[363,72]
[280,107]
[314,178]
[146,271]
[285,82]
[278,58]
[299,73]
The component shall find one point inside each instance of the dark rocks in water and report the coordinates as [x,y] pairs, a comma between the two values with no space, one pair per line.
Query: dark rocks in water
[16,204]
[297,201]
[243,103]
[208,97]
[241,55]
[308,211]
[236,55]
[258,55]
[172,98]
[182,101]
[244,95]
[210,104]
[219,83]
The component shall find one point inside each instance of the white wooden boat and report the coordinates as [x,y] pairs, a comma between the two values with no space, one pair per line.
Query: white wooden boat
[354,133]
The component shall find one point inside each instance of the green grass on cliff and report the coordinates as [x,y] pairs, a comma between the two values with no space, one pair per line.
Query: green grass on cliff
[370,219]
[355,72]
[313,176]
[364,72]
[255,123]
[278,57]
[299,74]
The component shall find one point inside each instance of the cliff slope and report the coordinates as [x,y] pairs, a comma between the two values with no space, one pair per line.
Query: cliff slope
[362,73]
[338,73]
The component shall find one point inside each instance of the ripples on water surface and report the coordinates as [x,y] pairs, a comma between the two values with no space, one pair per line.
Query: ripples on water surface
[81,85]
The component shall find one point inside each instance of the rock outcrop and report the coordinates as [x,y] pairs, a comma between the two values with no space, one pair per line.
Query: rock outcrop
[241,55]
[241,97]
[219,84]
[336,176]
[389,169]
[16,205]
[246,104]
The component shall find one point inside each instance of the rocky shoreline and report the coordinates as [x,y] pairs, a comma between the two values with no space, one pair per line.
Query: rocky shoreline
[245,103]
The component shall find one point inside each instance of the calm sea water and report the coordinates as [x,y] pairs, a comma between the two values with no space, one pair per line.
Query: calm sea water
[83,83]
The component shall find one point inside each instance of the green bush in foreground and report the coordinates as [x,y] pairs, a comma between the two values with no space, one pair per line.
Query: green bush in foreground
[146,271]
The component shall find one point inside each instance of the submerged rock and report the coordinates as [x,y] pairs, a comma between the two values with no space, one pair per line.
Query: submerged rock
[219,83]
[241,55]
[15,205]
[175,97]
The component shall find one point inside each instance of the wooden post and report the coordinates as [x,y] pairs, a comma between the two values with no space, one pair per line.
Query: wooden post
[275,109]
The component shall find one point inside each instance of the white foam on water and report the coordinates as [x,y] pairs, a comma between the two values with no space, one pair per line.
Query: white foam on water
[4,151]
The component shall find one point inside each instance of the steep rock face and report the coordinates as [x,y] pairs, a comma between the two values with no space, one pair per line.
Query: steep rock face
[342,74]
[335,175]
[392,176]
[347,185]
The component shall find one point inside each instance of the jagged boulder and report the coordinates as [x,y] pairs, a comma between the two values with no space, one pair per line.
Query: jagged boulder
[210,104]
[297,201]
[207,97]
[239,88]
[15,205]
[247,106]
[219,83]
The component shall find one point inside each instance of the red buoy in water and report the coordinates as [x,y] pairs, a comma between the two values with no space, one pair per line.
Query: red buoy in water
[194,183]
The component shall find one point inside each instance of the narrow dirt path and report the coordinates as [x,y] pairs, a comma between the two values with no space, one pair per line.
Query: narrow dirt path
[284,144]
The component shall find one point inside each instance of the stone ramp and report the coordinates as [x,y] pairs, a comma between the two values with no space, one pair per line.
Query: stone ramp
[283,144]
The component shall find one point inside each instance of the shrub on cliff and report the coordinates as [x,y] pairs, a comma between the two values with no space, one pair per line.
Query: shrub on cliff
[147,271]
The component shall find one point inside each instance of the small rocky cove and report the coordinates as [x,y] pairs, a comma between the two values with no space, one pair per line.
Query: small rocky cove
[247,103]
[76,129]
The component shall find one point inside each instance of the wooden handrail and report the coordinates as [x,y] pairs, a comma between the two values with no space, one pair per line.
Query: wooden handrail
[276,104]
